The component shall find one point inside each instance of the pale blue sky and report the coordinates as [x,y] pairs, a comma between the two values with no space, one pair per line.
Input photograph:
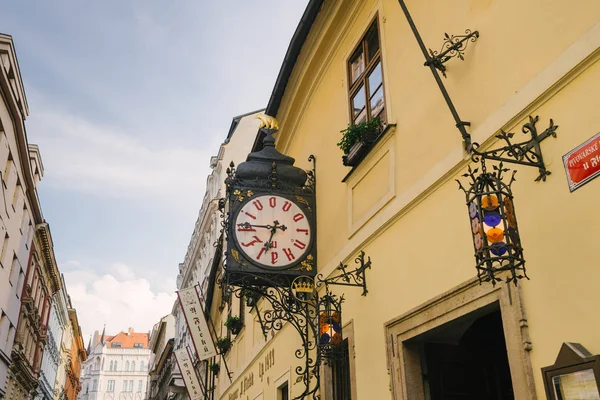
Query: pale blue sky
[128,100]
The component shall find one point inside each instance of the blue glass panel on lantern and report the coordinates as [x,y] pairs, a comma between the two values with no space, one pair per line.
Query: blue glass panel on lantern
[498,249]
[324,338]
[492,218]
[337,326]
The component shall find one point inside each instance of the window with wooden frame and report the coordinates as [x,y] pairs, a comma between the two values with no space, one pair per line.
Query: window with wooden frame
[365,79]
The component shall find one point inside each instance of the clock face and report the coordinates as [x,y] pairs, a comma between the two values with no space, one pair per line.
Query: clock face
[272,231]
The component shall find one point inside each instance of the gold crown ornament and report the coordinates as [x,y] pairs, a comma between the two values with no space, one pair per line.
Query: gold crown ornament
[303,284]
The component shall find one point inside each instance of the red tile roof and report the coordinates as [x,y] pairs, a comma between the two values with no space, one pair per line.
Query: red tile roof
[128,340]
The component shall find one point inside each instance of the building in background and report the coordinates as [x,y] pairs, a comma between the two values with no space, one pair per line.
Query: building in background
[65,344]
[20,170]
[116,368]
[31,287]
[77,355]
[57,350]
[42,282]
[203,257]
[162,385]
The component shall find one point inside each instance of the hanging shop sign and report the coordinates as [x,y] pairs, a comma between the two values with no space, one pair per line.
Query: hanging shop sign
[186,366]
[582,164]
[196,323]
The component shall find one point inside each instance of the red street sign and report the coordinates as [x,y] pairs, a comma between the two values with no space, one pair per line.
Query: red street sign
[583,163]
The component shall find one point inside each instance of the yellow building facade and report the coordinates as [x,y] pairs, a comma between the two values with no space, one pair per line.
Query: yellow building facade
[402,207]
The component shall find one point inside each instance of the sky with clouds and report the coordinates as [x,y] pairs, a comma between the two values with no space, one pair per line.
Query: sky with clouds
[128,100]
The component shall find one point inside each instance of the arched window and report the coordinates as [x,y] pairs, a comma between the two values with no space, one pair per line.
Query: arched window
[103,364]
[126,365]
[115,366]
[142,366]
[133,365]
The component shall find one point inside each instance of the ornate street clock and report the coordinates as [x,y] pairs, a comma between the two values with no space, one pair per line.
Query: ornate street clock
[271,217]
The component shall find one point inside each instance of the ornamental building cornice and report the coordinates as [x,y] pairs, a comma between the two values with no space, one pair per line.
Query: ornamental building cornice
[47,251]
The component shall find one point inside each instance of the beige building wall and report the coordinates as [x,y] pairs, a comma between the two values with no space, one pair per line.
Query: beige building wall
[21,169]
[401,204]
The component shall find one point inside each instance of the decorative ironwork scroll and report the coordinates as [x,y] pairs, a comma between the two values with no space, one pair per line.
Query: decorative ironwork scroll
[526,153]
[356,277]
[295,306]
[453,46]
[316,319]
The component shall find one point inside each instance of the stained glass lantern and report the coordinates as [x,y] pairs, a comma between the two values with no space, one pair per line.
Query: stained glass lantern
[329,326]
[494,229]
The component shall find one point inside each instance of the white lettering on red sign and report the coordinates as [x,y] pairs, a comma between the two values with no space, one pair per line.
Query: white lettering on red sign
[583,162]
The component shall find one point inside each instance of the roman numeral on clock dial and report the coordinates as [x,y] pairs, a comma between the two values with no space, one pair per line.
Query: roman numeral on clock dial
[272,231]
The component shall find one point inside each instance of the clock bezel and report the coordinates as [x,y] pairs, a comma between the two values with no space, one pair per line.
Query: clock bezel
[307,209]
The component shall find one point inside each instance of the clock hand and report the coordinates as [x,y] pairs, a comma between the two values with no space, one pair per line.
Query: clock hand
[271,227]
[269,243]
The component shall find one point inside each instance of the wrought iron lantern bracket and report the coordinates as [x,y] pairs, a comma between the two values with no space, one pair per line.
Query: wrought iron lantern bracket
[526,153]
[356,277]
[295,305]
[299,305]
[453,46]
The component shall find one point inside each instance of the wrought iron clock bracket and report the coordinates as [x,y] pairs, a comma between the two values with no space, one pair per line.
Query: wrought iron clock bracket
[528,153]
[453,46]
[287,308]
[356,277]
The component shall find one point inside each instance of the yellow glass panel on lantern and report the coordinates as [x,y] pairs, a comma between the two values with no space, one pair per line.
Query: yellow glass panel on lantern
[330,328]
[489,202]
[495,235]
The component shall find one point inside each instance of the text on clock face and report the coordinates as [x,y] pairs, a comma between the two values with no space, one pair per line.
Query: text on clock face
[272,231]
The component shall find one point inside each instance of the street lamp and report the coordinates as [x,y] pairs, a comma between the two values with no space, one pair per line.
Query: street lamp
[494,229]
[330,326]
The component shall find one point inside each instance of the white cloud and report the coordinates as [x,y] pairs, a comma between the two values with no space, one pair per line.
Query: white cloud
[121,300]
[81,156]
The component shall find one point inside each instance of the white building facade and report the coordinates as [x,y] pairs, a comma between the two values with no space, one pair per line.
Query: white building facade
[20,170]
[56,352]
[162,385]
[203,250]
[117,368]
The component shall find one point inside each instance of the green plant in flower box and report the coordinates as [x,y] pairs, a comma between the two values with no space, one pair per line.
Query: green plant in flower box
[363,132]
[224,344]
[214,368]
[234,324]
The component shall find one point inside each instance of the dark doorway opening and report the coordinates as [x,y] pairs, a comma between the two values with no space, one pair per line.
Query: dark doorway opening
[466,359]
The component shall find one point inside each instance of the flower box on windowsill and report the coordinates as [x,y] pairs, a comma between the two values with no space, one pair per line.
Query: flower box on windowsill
[365,150]
[359,149]
[234,324]
[357,139]
[223,344]
[214,368]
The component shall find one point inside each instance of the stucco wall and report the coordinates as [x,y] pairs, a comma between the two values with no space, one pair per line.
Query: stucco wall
[533,58]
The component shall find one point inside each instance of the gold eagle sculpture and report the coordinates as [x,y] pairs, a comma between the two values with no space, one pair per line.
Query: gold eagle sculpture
[268,122]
